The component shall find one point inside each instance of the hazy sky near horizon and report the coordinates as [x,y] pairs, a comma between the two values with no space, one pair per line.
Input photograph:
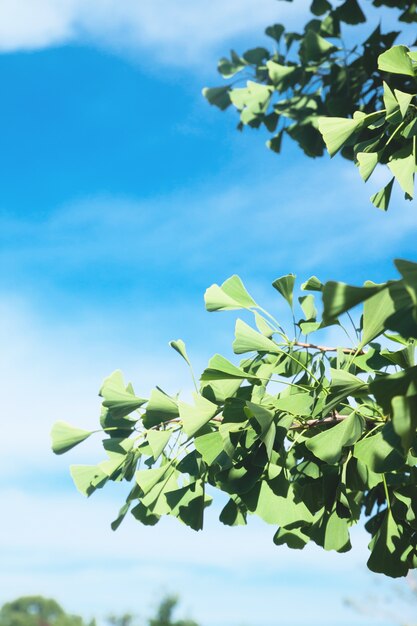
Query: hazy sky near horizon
[124,195]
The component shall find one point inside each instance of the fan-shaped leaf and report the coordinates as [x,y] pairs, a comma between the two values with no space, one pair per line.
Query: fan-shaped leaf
[328,445]
[118,399]
[396,60]
[285,286]
[230,295]
[249,340]
[337,131]
[64,437]
[195,417]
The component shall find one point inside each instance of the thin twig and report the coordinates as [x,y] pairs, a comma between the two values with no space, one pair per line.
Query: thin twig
[312,346]
[330,420]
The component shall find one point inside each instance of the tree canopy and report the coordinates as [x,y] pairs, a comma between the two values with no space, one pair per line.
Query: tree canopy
[40,611]
[37,611]
[164,616]
[311,438]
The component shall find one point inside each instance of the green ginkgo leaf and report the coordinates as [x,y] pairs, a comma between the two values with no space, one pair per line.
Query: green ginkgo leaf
[392,107]
[249,340]
[403,164]
[64,437]
[278,73]
[218,96]
[328,445]
[388,546]
[160,408]
[350,12]
[179,346]
[285,286]
[193,418]
[382,198]
[380,453]
[403,100]
[314,47]
[230,295]
[337,131]
[118,398]
[88,478]
[367,162]
[408,270]
[312,284]
[396,60]
[339,297]
[220,368]
[158,439]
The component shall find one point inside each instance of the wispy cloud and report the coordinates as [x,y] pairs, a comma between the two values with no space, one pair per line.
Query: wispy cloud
[274,222]
[178,33]
[52,370]
[224,576]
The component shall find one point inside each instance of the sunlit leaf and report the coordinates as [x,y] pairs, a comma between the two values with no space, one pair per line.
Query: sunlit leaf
[195,417]
[64,437]
[160,408]
[396,60]
[367,163]
[179,346]
[337,131]
[249,340]
[119,399]
[328,445]
[220,368]
[230,295]
[382,198]
[87,478]
[285,286]
[403,165]
[158,440]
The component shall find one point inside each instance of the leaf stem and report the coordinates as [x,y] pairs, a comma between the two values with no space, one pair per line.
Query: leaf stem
[384,480]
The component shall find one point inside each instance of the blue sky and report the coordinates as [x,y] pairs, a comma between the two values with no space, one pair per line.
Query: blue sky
[124,195]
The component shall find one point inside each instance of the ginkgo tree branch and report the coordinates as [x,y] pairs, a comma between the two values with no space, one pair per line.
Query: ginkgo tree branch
[237,435]
[312,346]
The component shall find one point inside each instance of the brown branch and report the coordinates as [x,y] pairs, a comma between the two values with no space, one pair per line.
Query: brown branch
[313,346]
[330,420]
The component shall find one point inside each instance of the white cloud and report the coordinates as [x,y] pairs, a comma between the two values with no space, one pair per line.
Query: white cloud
[176,32]
[26,24]
[60,545]
[304,232]
[53,371]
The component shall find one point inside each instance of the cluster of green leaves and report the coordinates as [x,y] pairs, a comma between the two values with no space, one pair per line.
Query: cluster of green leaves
[387,136]
[308,437]
[312,75]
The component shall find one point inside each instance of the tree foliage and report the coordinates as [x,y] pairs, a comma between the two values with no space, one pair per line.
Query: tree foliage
[37,611]
[323,88]
[309,437]
[164,616]
[40,611]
